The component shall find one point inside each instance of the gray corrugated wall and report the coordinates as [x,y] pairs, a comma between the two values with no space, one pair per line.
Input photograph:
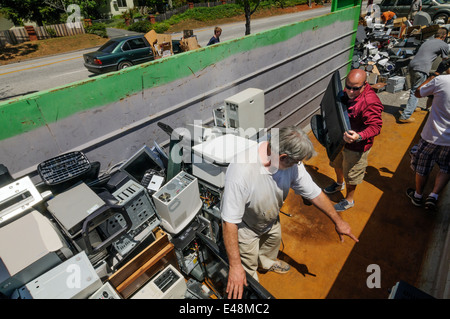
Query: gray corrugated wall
[111,116]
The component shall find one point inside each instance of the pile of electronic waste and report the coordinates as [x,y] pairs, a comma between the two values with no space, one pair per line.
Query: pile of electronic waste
[148,227]
[384,51]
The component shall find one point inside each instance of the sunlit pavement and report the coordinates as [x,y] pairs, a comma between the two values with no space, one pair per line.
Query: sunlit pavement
[397,241]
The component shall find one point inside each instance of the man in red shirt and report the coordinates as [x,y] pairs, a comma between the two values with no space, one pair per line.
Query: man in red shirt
[364,111]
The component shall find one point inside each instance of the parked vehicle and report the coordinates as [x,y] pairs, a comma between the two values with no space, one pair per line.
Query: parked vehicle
[437,9]
[121,53]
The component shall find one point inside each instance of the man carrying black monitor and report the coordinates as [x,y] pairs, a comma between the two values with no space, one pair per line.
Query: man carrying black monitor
[364,110]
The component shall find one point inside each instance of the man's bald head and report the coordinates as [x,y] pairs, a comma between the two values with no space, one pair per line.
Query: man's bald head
[355,82]
[357,75]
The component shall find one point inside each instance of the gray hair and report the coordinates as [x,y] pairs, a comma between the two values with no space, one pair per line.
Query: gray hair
[293,142]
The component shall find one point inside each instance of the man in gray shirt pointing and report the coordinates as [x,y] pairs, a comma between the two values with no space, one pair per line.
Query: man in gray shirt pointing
[253,195]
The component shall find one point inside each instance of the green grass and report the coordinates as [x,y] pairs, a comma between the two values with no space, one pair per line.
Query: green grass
[205,14]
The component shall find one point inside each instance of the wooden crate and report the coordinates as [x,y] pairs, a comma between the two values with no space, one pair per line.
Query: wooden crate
[135,273]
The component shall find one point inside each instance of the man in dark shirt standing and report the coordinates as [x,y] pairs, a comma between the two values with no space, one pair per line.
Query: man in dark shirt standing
[416,6]
[364,111]
[215,38]
[420,66]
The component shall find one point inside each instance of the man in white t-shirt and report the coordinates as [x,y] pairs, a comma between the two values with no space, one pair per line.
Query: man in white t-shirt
[253,195]
[434,144]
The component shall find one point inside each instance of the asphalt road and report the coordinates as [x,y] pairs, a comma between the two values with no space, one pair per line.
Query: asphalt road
[36,75]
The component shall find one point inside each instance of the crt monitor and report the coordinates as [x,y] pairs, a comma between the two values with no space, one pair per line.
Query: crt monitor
[215,267]
[143,160]
[330,125]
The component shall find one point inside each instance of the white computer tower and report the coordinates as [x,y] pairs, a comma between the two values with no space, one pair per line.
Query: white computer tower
[177,202]
[167,284]
[244,111]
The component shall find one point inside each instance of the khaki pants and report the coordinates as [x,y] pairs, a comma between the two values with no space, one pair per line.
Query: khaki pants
[353,164]
[262,251]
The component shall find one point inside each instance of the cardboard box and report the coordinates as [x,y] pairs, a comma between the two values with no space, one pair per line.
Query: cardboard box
[398,22]
[415,29]
[372,78]
[160,43]
[379,87]
[429,31]
[188,44]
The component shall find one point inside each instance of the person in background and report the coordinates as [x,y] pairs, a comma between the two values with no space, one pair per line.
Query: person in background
[369,6]
[420,66]
[388,17]
[253,196]
[434,144]
[416,6]
[216,37]
[364,111]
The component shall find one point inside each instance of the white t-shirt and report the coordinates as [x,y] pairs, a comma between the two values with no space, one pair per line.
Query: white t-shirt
[253,197]
[437,127]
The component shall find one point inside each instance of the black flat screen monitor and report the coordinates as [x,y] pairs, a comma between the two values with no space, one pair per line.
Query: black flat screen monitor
[215,267]
[143,160]
[330,125]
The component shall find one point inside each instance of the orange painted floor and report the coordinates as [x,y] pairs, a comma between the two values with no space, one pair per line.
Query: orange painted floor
[393,234]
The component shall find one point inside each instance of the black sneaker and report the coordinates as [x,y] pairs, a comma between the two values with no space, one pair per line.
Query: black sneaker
[333,188]
[416,201]
[431,203]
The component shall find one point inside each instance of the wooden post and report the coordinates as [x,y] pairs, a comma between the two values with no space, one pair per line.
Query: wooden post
[31,33]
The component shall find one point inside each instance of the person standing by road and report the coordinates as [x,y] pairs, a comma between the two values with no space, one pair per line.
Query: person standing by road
[216,37]
[434,144]
[420,66]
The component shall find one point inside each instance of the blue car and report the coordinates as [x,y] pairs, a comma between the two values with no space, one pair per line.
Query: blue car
[120,53]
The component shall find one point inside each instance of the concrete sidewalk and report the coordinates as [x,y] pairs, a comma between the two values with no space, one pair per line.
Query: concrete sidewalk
[398,240]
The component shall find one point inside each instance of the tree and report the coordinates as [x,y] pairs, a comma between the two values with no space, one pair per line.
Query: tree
[89,9]
[159,5]
[19,11]
[47,11]
[248,11]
